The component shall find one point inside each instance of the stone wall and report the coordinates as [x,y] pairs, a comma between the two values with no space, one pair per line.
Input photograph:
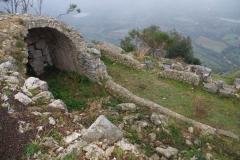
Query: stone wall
[181,76]
[51,42]
[114,54]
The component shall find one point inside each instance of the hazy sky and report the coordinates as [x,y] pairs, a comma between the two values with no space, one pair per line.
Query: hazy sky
[55,7]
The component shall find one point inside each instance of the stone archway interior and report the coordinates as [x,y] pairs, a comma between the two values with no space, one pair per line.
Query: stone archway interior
[47,46]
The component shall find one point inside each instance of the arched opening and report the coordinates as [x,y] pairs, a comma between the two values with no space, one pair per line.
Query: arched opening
[47,46]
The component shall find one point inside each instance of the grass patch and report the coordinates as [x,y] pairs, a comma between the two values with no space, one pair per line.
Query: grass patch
[183,98]
[18,56]
[32,148]
[72,88]
[228,79]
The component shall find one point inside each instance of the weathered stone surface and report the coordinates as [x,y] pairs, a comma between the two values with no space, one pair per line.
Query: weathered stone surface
[75,148]
[180,76]
[45,94]
[154,157]
[168,152]
[228,134]
[40,44]
[127,107]
[58,104]
[52,121]
[113,53]
[126,146]
[236,83]
[226,92]
[11,79]
[159,119]
[23,98]
[95,51]
[35,54]
[148,63]
[166,66]
[35,83]
[102,129]
[203,72]
[49,142]
[152,137]
[94,152]
[72,137]
[210,87]
[177,66]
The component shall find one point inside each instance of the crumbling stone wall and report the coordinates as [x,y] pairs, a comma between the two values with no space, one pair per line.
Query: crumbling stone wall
[114,54]
[182,76]
[52,42]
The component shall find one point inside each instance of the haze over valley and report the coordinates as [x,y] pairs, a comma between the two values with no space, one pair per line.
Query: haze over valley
[213,25]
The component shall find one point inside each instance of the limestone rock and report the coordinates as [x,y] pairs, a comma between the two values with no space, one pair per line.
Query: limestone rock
[52,121]
[23,98]
[183,76]
[177,66]
[166,66]
[72,137]
[190,130]
[228,134]
[35,83]
[148,63]
[210,87]
[102,129]
[45,94]
[159,119]
[58,104]
[226,92]
[236,83]
[154,157]
[203,72]
[75,148]
[95,51]
[168,152]
[126,146]
[94,152]
[49,142]
[152,137]
[11,79]
[126,107]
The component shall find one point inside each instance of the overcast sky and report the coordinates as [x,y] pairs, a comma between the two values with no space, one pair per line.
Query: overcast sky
[55,7]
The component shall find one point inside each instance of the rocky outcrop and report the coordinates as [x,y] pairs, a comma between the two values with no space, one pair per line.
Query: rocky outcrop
[114,54]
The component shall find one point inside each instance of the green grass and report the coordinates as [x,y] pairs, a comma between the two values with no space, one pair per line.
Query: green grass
[228,79]
[180,97]
[72,88]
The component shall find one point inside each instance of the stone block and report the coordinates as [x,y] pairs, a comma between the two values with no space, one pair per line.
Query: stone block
[35,53]
[102,129]
[210,87]
[40,44]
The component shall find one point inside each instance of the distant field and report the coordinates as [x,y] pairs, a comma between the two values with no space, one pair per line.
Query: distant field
[231,38]
[210,44]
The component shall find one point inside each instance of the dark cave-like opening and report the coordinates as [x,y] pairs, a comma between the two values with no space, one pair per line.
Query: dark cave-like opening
[49,47]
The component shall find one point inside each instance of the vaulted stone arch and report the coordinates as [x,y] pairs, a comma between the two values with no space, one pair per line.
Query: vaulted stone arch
[52,42]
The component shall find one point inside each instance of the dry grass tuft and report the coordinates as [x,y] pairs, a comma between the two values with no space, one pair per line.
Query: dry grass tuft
[141,53]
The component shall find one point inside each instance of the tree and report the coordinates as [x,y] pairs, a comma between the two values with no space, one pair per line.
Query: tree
[38,10]
[182,47]
[153,38]
[12,5]
[71,8]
